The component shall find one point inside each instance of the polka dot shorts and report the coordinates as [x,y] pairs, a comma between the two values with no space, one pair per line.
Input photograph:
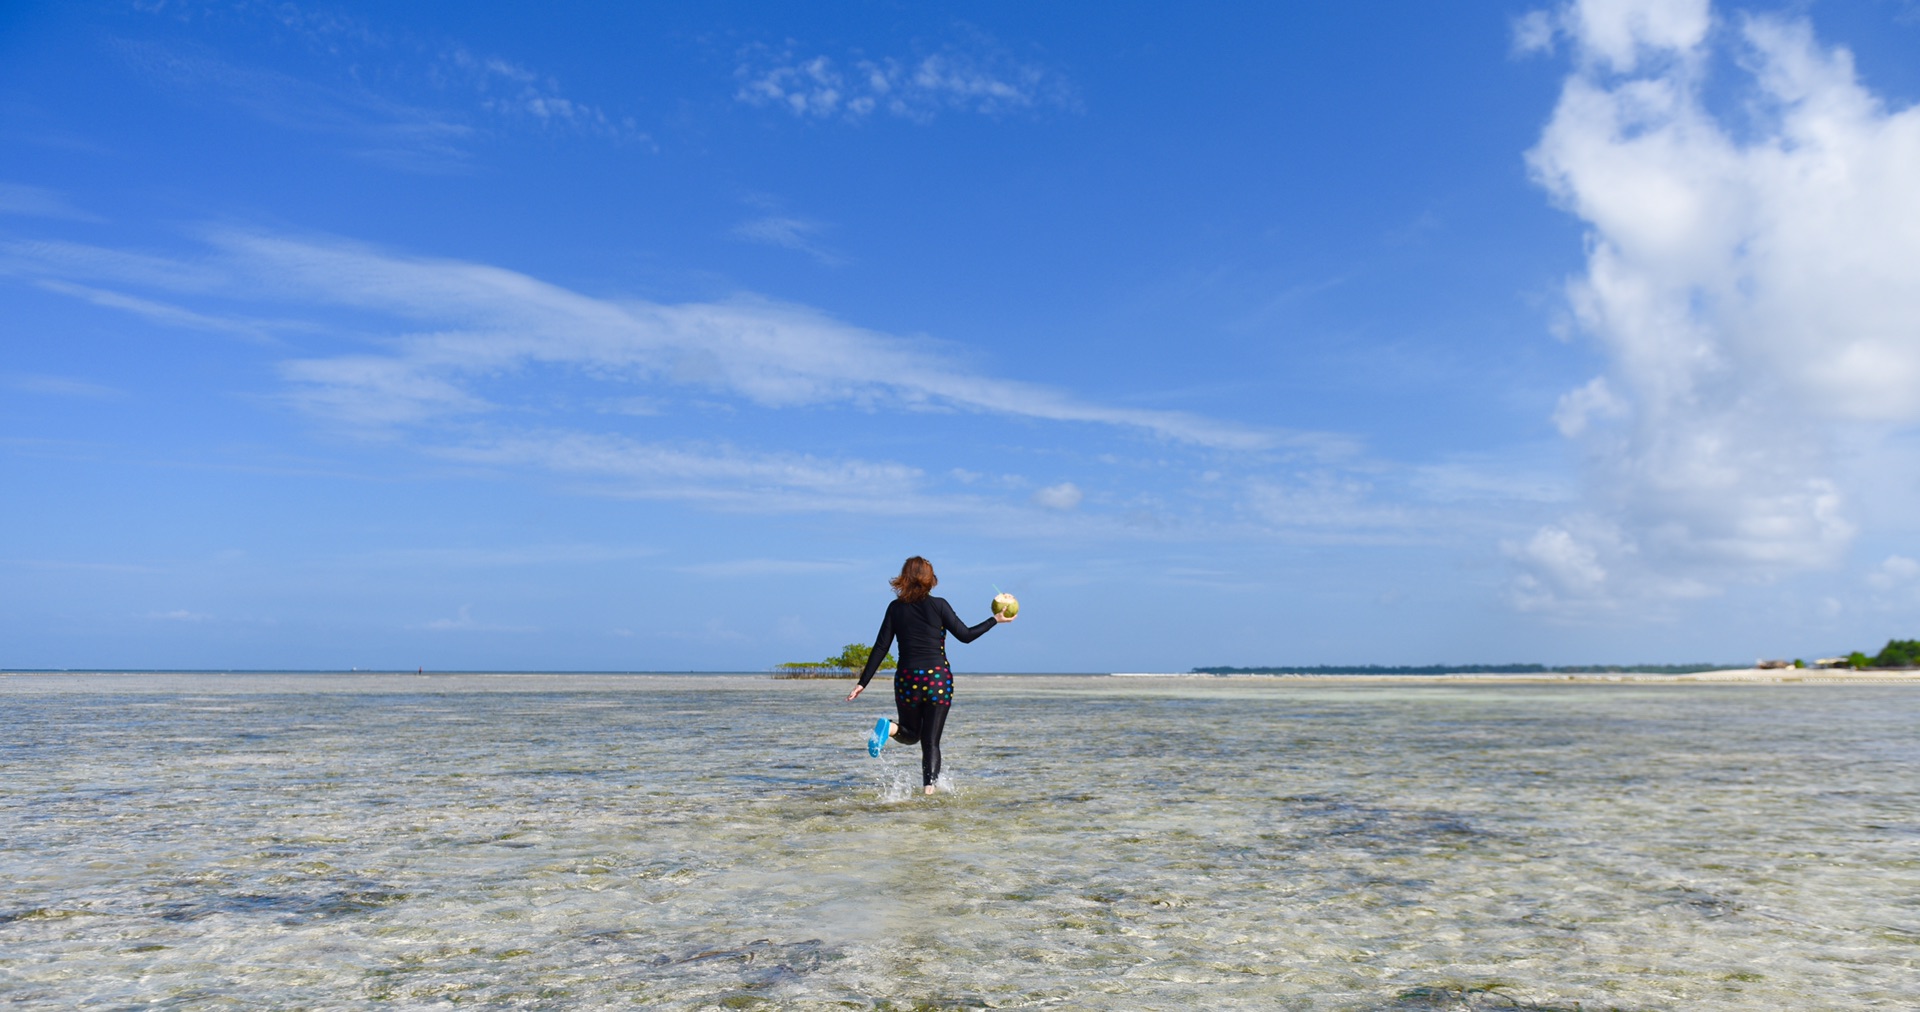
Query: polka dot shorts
[926,685]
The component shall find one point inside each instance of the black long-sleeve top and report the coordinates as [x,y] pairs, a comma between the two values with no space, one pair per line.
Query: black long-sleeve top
[922,629]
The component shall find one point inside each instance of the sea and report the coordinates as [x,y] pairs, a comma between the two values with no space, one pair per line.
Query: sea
[325,841]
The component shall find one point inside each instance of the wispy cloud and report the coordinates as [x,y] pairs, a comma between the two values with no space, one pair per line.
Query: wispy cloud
[1064,496]
[1509,479]
[486,321]
[161,312]
[395,133]
[716,475]
[1752,284]
[416,104]
[376,391]
[514,92]
[1895,571]
[87,567]
[786,232]
[71,261]
[325,30]
[56,386]
[755,568]
[454,358]
[1337,503]
[1895,586]
[978,78]
[491,558]
[36,202]
[464,621]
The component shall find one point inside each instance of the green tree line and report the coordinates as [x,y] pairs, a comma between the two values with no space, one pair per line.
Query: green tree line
[1896,654]
[848,663]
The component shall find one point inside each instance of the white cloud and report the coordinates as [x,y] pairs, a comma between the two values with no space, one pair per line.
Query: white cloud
[1617,35]
[34,201]
[480,367]
[753,568]
[465,622]
[1578,408]
[488,558]
[57,386]
[161,312]
[85,567]
[787,232]
[1894,571]
[1586,562]
[1559,566]
[374,391]
[716,474]
[1064,496]
[388,105]
[485,321]
[1620,33]
[324,30]
[1345,507]
[395,133]
[1502,482]
[515,92]
[1533,32]
[43,258]
[1756,288]
[980,79]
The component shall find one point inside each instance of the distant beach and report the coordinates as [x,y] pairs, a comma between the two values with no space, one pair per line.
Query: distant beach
[1834,676]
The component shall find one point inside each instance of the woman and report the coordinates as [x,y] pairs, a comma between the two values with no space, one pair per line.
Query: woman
[922,683]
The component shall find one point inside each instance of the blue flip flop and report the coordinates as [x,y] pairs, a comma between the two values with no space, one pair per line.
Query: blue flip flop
[877,738]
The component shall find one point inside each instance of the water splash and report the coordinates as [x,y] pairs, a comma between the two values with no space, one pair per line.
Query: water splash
[895,780]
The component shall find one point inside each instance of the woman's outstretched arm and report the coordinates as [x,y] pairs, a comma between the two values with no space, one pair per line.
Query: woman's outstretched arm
[881,644]
[961,631]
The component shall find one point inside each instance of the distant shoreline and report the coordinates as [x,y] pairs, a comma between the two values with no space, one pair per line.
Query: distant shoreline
[1720,675]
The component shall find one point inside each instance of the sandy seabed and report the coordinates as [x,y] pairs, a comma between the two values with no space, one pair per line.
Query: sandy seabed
[560,841]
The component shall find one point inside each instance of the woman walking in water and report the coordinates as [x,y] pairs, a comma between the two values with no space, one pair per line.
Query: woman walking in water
[923,682]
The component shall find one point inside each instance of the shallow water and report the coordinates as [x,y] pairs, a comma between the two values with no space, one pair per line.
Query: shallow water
[699,842]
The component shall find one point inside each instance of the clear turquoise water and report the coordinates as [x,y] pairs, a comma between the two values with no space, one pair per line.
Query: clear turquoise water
[701,842]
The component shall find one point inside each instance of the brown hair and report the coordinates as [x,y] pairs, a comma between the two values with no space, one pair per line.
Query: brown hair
[916,580]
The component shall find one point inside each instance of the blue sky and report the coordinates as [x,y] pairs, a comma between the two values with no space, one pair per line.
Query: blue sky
[652,337]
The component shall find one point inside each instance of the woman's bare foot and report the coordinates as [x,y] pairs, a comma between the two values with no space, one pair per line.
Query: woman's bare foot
[929,788]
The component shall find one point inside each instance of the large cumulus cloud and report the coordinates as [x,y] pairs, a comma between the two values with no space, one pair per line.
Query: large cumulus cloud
[1753,278]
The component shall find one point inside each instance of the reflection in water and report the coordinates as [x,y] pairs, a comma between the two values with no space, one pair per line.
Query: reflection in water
[693,842]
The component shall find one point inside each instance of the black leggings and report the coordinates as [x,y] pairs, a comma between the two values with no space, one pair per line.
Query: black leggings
[923,722]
